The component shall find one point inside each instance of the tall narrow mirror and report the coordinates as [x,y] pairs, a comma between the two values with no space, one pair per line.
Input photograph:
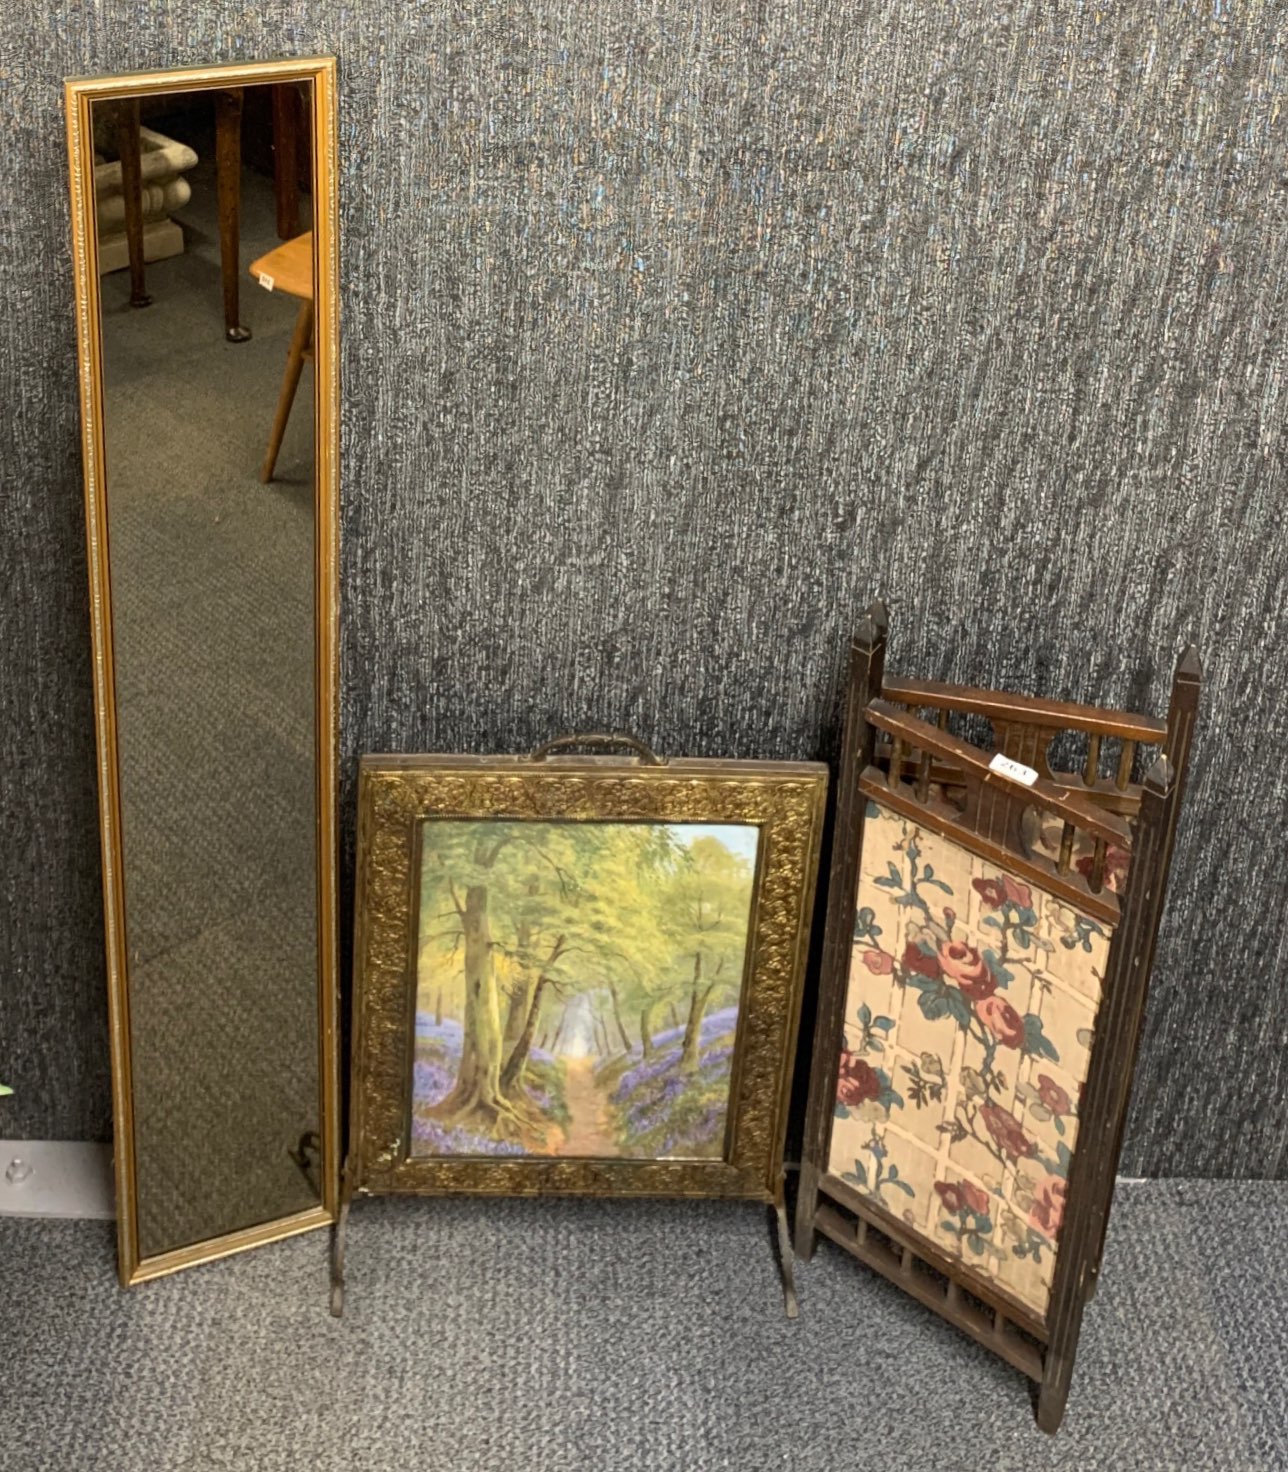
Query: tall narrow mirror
[203,216]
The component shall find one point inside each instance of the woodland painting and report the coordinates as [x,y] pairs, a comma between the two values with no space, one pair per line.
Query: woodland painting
[578,986]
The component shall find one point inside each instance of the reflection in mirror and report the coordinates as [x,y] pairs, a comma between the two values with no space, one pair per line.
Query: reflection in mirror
[202,219]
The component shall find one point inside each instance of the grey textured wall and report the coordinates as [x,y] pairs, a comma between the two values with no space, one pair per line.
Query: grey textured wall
[676,331]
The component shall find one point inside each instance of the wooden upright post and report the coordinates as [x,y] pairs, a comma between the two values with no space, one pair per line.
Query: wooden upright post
[867,670]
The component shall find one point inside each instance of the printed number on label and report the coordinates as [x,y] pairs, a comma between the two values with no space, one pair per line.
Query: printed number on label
[1016,771]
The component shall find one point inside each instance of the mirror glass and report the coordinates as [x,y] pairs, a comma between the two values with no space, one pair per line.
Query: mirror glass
[202,205]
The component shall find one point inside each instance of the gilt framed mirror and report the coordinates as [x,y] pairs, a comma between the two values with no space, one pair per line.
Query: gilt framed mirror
[205,258]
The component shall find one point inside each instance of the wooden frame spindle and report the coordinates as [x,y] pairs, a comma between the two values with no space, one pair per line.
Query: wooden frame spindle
[1091,772]
[858,750]
[1126,760]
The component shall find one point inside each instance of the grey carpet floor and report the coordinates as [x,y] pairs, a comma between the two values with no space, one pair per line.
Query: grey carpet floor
[534,1335]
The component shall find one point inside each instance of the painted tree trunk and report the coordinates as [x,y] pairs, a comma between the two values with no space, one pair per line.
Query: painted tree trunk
[521,997]
[617,1018]
[512,1073]
[693,1025]
[559,1031]
[646,1028]
[438,1008]
[478,1084]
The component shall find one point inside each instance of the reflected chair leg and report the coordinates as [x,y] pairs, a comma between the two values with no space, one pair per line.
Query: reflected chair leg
[128,147]
[338,1234]
[785,1262]
[228,120]
[301,339]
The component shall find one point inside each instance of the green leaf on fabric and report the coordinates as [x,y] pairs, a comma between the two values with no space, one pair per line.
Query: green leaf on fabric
[1000,974]
[959,1007]
[934,1005]
[1036,1041]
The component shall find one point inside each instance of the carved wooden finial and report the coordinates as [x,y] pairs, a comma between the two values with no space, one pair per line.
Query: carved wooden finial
[1189,667]
[873,626]
[1160,777]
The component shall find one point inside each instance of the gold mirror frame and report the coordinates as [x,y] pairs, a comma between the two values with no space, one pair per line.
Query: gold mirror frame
[81,94]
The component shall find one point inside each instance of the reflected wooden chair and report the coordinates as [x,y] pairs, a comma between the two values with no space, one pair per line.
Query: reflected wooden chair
[289,268]
[1071,834]
[287,106]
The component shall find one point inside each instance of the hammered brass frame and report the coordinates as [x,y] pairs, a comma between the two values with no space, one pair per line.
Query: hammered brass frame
[80,95]
[395,793]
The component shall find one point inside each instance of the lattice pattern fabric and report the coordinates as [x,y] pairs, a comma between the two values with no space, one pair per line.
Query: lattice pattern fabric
[968,1022]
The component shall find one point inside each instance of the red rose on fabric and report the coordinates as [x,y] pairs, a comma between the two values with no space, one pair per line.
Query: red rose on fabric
[968,969]
[975,1197]
[1117,861]
[857,1081]
[878,962]
[1047,1212]
[991,891]
[1017,893]
[915,959]
[1053,1096]
[1002,1020]
[960,1196]
[950,1193]
[1006,1131]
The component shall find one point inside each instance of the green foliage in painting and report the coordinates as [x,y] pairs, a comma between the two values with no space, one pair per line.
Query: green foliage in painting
[564,968]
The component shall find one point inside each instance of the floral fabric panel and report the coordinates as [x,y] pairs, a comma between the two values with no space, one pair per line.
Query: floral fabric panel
[968,1024]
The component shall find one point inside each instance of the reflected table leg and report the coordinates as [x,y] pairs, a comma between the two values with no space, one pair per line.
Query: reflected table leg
[228,118]
[129,148]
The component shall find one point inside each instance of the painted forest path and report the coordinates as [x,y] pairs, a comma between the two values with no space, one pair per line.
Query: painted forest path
[590,1128]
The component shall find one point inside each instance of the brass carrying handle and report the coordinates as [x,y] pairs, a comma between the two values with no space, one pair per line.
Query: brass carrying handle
[645,753]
